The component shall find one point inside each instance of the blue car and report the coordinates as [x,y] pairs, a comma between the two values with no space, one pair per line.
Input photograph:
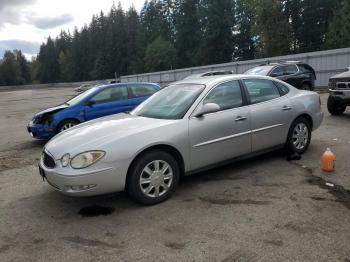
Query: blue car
[96,102]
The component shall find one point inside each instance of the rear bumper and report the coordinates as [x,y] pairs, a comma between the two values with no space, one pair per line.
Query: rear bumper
[317,120]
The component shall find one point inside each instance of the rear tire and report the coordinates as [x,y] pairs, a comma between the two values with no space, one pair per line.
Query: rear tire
[153,177]
[306,86]
[299,136]
[334,108]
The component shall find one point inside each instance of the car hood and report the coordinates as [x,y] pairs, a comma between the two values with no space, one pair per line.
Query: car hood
[94,134]
[342,75]
[52,110]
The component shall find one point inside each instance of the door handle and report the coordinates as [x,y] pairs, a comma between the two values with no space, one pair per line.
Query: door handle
[240,118]
[286,108]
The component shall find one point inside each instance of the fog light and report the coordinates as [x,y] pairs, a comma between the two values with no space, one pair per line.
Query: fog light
[65,160]
[82,187]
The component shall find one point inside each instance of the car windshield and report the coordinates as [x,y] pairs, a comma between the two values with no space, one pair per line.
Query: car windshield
[77,99]
[260,70]
[171,102]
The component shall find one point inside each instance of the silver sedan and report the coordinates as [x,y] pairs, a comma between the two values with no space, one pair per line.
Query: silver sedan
[186,127]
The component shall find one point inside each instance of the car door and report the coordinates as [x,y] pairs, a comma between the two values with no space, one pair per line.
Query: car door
[270,113]
[222,135]
[108,101]
[139,93]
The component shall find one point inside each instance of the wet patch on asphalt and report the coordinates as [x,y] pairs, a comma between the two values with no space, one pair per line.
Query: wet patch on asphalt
[340,193]
[175,245]
[94,211]
[241,255]
[228,201]
[90,242]
[4,248]
[273,242]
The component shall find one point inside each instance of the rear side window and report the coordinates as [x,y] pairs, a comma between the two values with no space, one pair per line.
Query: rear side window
[305,68]
[261,90]
[227,95]
[278,71]
[283,88]
[141,90]
[290,69]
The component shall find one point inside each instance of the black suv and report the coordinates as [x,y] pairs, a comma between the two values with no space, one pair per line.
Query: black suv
[298,74]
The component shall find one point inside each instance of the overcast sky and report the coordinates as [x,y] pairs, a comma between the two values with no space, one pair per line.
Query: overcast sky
[25,24]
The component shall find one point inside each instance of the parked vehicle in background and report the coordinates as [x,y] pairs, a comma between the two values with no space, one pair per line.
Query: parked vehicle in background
[84,87]
[94,103]
[297,74]
[209,73]
[185,127]
[339,93]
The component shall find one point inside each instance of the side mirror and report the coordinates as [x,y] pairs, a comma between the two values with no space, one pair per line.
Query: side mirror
[274,75]
[90,103]
[207,109]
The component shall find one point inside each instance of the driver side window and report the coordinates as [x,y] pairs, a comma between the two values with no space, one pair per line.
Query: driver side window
[111,94]
[227,95]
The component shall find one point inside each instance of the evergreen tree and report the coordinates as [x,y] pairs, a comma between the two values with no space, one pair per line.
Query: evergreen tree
[315,18]
[188,34]
[49,67]
[160,55]
[244,35]
[25,76]
[132,28]
[65,61]
[10,69]
[338,35]
[154,22]
[217,43]
[272,27]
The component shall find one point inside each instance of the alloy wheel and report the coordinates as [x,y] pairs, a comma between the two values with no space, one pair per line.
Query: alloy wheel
[300,136]
[67,126]
[156,178]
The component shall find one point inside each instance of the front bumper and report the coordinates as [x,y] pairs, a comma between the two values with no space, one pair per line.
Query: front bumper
[83,183]
[341,95]
[40,131]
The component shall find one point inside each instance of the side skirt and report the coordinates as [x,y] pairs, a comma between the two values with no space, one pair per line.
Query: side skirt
[234,160]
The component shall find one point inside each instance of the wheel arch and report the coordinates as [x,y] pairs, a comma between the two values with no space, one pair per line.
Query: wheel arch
[160,147]
[307,117]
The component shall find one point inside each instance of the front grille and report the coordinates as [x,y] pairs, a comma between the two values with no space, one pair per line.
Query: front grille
[48,160]
[343,85]
[339,83]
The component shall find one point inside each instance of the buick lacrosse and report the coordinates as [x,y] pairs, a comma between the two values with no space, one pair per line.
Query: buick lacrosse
[186,127]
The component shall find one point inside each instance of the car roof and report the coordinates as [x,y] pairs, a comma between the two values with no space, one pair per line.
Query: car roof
[212,80]
[282,63]
[209,73]
[126,83]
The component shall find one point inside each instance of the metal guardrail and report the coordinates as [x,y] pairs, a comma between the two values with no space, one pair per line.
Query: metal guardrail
[326,63]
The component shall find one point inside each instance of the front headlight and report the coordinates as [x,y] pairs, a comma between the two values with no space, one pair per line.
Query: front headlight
[86,159]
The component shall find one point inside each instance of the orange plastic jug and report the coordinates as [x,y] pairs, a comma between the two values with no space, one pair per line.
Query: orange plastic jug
[328,161]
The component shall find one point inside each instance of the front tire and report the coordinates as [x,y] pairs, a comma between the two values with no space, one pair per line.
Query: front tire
[66,124]
[153,178]
[334,108]
[299,136]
